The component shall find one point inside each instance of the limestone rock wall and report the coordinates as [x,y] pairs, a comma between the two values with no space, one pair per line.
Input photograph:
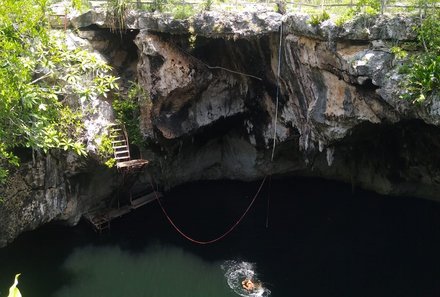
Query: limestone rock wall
[58,186]
[213,98]
[55,186]
[216,104]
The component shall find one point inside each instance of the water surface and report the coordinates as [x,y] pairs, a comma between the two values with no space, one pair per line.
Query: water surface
[321,240]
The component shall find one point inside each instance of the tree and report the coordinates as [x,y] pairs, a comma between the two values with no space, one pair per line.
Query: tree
[43,84]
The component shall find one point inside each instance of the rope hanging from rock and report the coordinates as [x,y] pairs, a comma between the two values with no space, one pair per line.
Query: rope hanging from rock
[276,117]
[277,93]
[233,226]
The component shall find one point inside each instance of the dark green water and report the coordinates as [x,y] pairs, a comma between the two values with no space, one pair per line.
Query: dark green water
[322,240]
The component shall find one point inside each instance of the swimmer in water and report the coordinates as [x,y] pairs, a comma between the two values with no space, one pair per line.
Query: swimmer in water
[249,285]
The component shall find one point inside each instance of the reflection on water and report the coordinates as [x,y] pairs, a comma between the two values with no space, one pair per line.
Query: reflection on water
[157,272]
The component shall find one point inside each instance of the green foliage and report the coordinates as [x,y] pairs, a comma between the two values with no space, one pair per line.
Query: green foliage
[45,87]
[183,11]
[424,6]
[398,52]
[207,5]
[81,5]
[429,33]
[363,7]
[116,11]
[345,17]
[13,290]
[316,20]
[423,77]
[127,111]
[423,71]
[158,5]
[105,149]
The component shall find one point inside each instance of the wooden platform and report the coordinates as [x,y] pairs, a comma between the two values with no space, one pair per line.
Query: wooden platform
[100,218]
[138,163]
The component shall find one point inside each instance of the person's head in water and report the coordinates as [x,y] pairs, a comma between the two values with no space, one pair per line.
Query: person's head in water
[249,285]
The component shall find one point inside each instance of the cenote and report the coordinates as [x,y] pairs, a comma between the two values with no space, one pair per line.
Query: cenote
[313,238]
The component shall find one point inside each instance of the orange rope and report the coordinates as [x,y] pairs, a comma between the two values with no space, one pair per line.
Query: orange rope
[219,237]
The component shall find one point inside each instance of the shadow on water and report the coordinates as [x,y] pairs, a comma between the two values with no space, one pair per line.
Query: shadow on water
[39,256]
[321,240]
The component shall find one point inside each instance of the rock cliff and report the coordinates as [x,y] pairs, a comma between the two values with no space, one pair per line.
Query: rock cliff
[224,87]
[217,101]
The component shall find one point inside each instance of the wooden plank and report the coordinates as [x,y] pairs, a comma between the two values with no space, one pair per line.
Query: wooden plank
[126,158]
[101,218]
[132,163]
[121,152]
[136,203]
[118,212]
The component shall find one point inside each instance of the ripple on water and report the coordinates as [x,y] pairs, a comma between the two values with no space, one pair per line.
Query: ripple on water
[237,271]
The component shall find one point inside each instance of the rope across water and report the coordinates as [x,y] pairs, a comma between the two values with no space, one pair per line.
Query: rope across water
[222,235]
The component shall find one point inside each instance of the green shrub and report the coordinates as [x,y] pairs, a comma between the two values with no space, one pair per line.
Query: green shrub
[398,52]
[423,70]
[126,107]
[429,32]
[316,20]
[207,4]
[81,5]
[45,87]
[158,5]
[363,7]
[423,77]
[116,11]
[105,149]
[183,11]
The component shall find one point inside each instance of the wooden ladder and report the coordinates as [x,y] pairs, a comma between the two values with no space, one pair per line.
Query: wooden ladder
[120,145]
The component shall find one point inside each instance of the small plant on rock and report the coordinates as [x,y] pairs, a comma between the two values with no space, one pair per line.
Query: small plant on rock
[105,149]
[364,8]
[207,5]
[157,5]
[116,11]
[127,111]
[316,20]
[423,70]
[183,11]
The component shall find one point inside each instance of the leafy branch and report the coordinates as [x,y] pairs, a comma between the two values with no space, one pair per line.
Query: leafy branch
[46,88]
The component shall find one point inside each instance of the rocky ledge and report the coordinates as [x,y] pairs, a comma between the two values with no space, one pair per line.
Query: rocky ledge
[213,108]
